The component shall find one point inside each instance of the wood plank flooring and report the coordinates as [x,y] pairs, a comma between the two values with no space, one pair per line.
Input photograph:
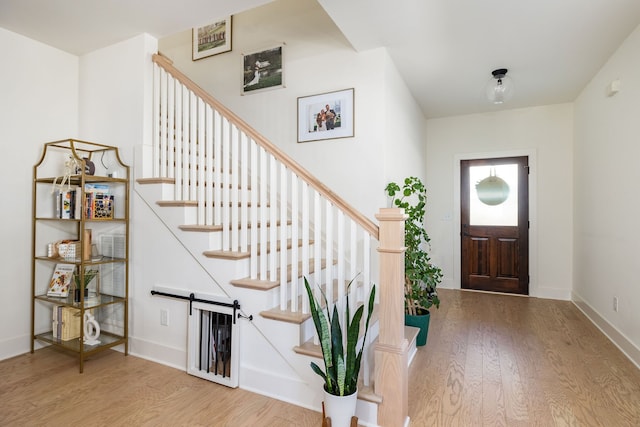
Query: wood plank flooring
[490,360]
[502,360]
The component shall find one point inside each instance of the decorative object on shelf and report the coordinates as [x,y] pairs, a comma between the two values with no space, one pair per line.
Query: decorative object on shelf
[60,280]
[82,283]
[500,87]
[421,276]
[71,167]
[91,329]
[326,116]
[89,166]
[86,245]
[262,70]
[342,364]
[211,39]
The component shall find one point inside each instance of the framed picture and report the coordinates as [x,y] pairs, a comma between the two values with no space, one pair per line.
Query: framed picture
[262,70]
[325,116]
[211,39]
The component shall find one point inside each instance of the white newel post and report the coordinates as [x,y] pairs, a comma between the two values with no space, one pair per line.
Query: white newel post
[391,352]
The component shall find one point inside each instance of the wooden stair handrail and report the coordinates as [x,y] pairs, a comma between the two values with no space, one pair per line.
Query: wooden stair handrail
[368,225]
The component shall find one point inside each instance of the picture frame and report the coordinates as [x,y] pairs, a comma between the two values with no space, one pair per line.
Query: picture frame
[211,39]
[263,70]
[314,124]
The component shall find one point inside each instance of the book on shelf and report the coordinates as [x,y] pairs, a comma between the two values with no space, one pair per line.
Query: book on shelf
[66,323]
[98,203]
[66,203]
[60,280]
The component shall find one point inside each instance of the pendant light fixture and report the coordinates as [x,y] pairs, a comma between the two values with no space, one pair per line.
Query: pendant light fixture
[500,87]
[492,190]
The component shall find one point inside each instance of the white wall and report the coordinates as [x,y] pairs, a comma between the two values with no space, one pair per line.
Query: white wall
[388,124]
[39,103]
[607,131]
[115,105]
[545,133]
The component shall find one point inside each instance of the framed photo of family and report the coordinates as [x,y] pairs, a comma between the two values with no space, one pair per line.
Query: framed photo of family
[211,39]
[326,116]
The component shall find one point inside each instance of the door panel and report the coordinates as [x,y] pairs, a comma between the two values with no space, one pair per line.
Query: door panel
[495,257]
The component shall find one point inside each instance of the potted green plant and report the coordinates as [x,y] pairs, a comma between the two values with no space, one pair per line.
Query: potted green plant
[82,283]
[341,363]
[421,275]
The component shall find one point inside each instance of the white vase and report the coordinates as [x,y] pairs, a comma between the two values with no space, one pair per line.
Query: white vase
[340,408]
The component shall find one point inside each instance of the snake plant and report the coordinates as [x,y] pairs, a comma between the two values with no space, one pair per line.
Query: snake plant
[342,364]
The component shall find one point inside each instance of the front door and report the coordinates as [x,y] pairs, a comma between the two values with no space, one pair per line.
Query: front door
[494,216]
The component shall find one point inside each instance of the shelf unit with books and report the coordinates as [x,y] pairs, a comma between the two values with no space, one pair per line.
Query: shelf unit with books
[80,249]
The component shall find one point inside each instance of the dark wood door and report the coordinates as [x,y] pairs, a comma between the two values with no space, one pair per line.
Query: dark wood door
[494,236]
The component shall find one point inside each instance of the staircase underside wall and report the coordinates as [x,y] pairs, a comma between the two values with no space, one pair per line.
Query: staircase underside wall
[169,258]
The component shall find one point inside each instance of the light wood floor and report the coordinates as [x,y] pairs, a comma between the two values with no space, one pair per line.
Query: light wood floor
[491,360]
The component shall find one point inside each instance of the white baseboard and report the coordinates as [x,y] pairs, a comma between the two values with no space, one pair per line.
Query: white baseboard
[616,337]
[13,347]
[154,352]
[286,389]
[551,293]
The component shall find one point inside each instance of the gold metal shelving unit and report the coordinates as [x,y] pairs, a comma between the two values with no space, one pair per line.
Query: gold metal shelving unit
[82,166]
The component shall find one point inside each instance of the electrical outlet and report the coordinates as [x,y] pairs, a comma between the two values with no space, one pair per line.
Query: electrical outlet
[615,304]
[164,317]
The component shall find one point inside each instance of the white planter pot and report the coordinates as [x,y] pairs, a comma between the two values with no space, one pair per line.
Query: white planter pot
[340,408]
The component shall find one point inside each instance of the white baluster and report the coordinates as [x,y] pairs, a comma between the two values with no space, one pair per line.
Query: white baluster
[177,189]
[208,152]
[244,185]
[328,236]
[234,170]
[264,210]
[340,257]
[366,287]
[283,239]
[201,161]
[193,147]
[305,242]
[255,207]
[217,168]
[295,279]
[171,142]
[155,167]
[163,124]
[226,217]
[186,145]
[273,219]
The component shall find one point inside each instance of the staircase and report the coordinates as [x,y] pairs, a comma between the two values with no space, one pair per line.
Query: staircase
[259,223]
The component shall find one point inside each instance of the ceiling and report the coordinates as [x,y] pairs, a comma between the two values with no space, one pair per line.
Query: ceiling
[444,49]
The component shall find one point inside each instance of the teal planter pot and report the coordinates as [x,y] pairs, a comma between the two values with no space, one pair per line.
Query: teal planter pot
[420,321]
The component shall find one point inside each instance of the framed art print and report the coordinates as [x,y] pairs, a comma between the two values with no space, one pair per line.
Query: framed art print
[262,70]
[326,116]
[211,39]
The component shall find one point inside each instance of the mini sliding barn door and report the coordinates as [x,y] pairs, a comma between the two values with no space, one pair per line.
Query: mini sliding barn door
[213,344]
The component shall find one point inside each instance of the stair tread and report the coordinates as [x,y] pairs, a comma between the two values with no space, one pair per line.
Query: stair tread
[192,203]
[310,349]
[248,282]
[155,180]
[247,254]
[210,228]
[177,203]
[285,316]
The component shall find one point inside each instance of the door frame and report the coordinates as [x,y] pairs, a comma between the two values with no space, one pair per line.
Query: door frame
[533,228]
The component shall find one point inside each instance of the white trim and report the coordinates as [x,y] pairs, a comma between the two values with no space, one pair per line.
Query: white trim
[533,199]
[615,336]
